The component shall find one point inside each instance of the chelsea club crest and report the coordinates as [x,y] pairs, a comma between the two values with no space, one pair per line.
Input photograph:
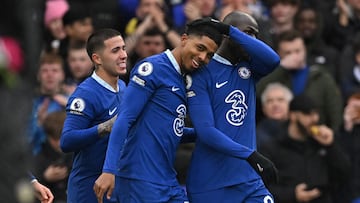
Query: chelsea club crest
[244,72]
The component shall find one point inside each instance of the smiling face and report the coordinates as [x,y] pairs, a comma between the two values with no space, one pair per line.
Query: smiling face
[196,52]
[112,58]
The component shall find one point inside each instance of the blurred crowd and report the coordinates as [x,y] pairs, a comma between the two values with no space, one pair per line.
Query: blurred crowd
[43,58]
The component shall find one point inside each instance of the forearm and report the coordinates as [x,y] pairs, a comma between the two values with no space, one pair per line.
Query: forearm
[135,99]
[207,133]
[173,37]
[132,39]
[262,56]
[75,140]
[222,143]
[115,145]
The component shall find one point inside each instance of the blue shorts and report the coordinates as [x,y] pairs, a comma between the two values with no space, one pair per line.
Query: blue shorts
[81,191]
[134,191]
[250,192]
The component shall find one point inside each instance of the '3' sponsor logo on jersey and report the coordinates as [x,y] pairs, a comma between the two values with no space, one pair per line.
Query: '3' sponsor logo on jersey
[236,115]
[179,122]
[111,112]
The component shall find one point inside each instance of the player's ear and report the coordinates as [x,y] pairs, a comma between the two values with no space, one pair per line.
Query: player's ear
[184,38]
[96,59]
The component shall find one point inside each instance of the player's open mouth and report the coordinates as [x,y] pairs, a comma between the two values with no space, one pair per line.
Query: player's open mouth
[195,64]
[122,65]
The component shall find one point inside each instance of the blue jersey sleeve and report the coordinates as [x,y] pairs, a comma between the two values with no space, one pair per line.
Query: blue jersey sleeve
[137,94]
[263,59]
[76,134]
[78,131]
[203,120]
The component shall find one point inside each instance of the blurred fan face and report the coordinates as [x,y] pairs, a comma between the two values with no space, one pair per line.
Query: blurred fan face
[79,63]
[80,30]
[283,13]
[296,48]
[51,76]
[150,45]
[276,105]
[57,29]
[304,121]
[307,23]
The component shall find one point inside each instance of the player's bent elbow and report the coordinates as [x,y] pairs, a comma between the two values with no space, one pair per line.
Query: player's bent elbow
[275,62]
[63,144]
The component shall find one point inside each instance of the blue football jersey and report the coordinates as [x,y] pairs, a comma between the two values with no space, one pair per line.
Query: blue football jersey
[93,102]
[222,104]
[150,124]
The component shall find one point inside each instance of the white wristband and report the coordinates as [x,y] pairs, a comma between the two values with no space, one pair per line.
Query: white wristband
[34,180]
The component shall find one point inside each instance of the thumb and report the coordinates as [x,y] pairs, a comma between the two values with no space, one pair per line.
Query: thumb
[302,186]
[314,193]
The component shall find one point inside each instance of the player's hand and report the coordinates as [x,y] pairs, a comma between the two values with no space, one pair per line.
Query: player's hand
[104,184]
[264,167]
[105,127]
[42,193]
[220,26]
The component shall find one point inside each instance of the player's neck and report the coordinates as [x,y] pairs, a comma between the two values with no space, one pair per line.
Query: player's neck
[226,52]
[109,79]
[177,55]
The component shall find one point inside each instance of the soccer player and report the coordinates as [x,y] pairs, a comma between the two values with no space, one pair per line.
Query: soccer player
[91,112]
[225,165]
[146,135]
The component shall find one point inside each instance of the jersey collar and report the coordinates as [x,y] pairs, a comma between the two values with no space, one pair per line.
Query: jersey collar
[173,60]
[103,83]
[221,59]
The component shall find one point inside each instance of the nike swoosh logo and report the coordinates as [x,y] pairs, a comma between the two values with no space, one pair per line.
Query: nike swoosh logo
[174,89]
[111,112]
[261,169]
[219,85]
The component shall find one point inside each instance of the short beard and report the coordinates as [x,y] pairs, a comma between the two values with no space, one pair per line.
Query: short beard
[302,129]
